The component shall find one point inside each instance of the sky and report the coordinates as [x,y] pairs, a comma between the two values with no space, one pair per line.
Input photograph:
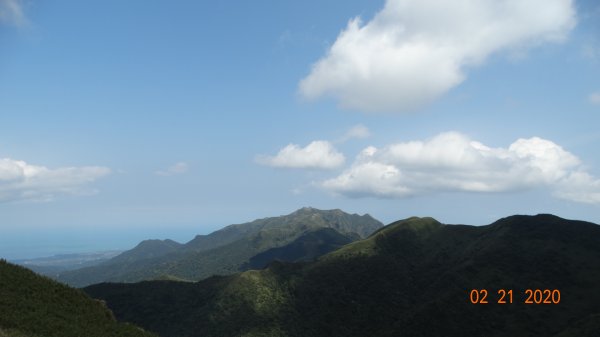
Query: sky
[123,121]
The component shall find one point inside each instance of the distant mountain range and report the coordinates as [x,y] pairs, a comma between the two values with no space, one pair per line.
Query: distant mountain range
[33,306]
[414,277]
[298,236]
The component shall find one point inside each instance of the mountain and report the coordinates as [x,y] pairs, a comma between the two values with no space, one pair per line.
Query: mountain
[32,305]
[414,277]
[222,252]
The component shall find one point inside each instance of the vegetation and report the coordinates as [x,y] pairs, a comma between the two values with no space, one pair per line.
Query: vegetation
[411,278]
[33,306]
[226,251]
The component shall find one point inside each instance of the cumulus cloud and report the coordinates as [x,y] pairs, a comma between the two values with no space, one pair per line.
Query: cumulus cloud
[594,98]
[413,51]
[580,187]
[318,154]
[358,131]
[22,181]
[11,12]
[452,162]
[175,169]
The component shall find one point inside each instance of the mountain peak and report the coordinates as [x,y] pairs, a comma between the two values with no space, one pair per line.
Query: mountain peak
[155,242]
[337,219]
[335,211]
[306,209]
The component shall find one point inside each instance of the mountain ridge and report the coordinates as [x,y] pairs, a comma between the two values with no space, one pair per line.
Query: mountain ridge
[224,251]
[392,284]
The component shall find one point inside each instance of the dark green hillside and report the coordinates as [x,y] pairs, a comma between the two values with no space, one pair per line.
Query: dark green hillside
[411,278]
[417,269]
[252,303]
[33,305]
[223,252]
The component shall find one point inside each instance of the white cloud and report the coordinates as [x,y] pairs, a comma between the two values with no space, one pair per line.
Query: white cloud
[413,51]
[22,181]
[580,187]
[318,154]
[451,162]
[594,98]
[358,131]
[11,12]
[177,168]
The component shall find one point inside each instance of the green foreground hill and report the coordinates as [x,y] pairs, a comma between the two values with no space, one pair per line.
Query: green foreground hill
[411,278]
[35,306]
[226,251]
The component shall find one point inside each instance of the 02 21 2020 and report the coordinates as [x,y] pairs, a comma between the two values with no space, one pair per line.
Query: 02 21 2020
[505,296]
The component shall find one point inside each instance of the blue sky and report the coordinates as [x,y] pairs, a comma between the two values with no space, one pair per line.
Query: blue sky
[121,121]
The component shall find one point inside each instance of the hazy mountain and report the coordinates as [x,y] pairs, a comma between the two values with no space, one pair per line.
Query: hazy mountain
[147,249]
[32,305]
[222,252]
[412,278]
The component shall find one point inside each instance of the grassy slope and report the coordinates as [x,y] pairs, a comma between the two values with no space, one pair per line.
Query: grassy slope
[411,278]
[33,305]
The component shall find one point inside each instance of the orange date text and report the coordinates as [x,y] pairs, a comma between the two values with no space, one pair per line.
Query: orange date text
[507,296]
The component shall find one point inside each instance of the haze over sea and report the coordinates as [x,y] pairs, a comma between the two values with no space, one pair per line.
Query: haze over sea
[45,243]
